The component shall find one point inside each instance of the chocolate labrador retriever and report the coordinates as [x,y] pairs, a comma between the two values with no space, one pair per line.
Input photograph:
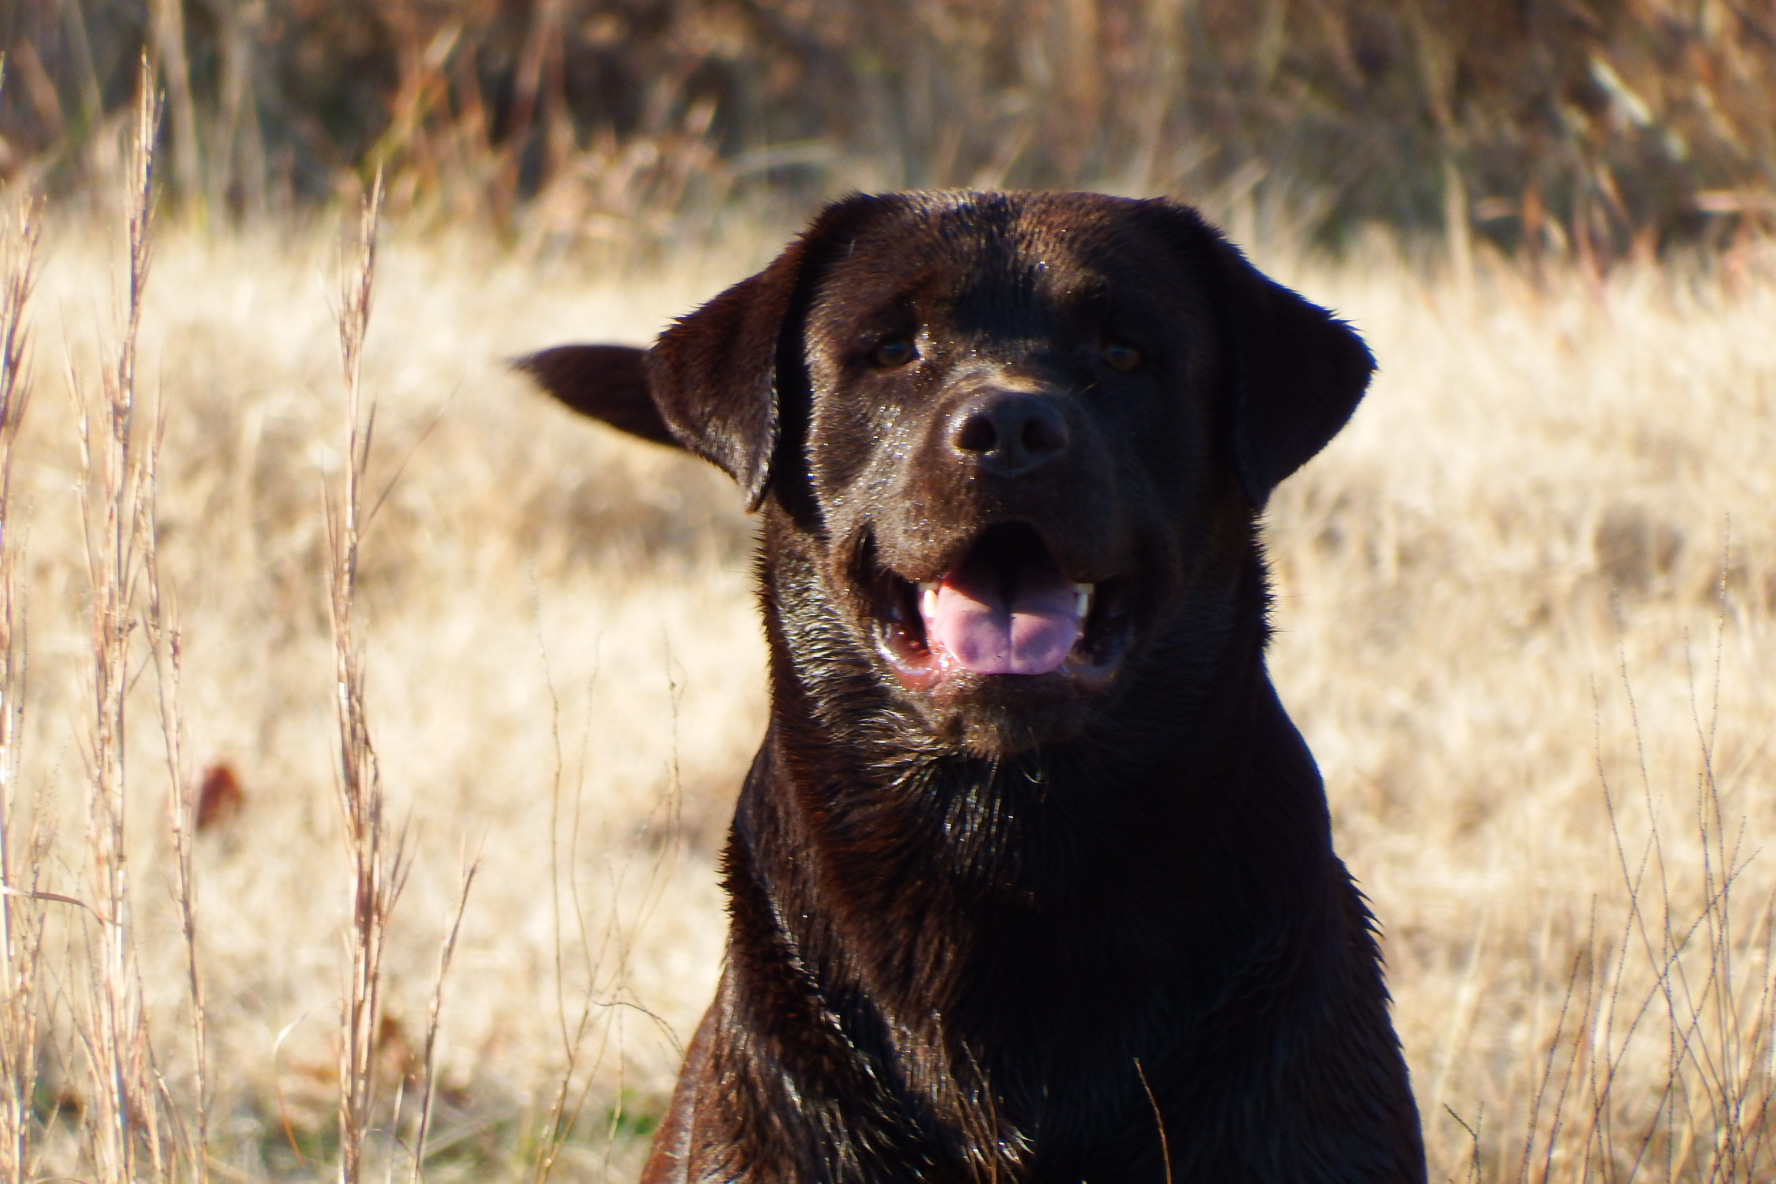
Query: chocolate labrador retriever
[1032,878]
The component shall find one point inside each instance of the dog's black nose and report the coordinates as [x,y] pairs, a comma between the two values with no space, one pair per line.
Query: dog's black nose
[1009,433]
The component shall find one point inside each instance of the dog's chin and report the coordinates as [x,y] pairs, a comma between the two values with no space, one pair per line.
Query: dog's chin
[999,715]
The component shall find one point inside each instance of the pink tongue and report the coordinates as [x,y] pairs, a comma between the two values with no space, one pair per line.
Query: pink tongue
[974,623]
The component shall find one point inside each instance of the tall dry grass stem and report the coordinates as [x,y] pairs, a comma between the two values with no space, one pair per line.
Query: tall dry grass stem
[564,1104]
[124,1111]
[21,839]
[377,858]
[184,791]
[434,1018]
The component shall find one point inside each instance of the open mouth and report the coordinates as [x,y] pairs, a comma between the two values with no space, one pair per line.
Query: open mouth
[1006,608]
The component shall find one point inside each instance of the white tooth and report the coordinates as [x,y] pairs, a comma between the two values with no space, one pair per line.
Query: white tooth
[928,598]
[1085,599]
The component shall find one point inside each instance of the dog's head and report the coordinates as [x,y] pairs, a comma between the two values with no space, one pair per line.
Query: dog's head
[1021,434]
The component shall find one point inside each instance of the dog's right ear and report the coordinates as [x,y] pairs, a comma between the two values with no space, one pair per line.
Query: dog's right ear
[723,376]
[714,378]
[709,385]
[715,381]
[606,382]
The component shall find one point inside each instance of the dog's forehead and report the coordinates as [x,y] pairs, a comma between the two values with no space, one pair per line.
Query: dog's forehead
[997,251]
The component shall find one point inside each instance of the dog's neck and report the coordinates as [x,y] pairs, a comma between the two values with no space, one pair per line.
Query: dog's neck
[944,915]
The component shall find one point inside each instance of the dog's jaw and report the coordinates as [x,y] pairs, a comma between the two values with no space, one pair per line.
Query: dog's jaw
[995,644]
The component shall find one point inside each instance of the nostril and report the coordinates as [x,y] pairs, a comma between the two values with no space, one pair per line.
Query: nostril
[978,432]
[1045,433]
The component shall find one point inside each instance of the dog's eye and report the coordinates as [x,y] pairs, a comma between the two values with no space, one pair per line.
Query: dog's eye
[1120,355]
[893,353]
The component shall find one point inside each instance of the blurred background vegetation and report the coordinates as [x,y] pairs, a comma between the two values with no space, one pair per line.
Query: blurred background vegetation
[1594,129]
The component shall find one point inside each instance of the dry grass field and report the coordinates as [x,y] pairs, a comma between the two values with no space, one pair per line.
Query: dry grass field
[1526,619]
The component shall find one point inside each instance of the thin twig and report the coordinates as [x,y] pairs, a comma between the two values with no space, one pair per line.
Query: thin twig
[434,1013]
[1159,1122]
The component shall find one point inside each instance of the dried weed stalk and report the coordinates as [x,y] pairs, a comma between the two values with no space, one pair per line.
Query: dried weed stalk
[377,865]
[124,1116]
[21,855]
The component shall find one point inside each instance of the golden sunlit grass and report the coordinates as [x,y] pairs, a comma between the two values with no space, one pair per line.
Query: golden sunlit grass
[1527,607]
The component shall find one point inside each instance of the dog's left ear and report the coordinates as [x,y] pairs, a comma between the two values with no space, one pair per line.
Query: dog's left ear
[1298,372]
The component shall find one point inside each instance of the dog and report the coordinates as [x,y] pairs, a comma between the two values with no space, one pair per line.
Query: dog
[1032,878]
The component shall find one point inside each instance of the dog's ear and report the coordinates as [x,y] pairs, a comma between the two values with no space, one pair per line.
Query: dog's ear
[709,385]
[606,382]
[1297,371]
[714,372]
[721,375]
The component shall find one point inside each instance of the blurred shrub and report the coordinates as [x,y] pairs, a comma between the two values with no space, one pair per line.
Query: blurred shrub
[1594,127]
